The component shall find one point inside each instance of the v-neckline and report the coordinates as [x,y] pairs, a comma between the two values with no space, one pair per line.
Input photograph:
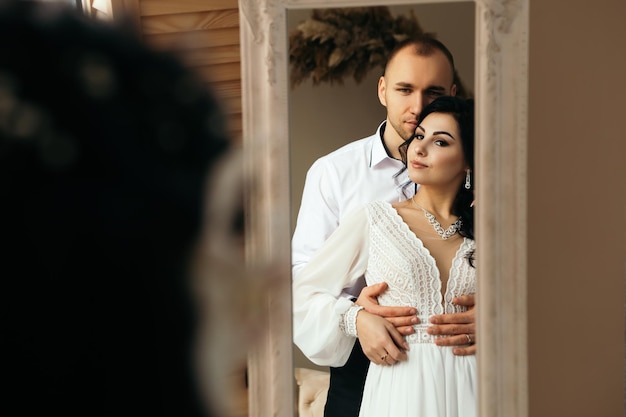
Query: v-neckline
[419,244]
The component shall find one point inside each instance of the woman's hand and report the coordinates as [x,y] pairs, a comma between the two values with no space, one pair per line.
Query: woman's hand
[382,343]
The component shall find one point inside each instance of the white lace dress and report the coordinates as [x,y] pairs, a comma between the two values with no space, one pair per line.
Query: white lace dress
[376,242]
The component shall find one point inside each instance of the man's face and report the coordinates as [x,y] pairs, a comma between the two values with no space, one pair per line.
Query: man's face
[410,82]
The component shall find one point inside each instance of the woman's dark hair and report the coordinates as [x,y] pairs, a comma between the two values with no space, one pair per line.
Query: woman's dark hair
[105,146]
[463,112]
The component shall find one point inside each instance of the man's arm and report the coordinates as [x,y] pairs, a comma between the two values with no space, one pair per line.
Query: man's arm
[460,327]
[318,216]
[403,318]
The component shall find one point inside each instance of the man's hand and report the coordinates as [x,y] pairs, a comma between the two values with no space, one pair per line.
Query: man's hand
[380,340]
[460,327]
[402,318]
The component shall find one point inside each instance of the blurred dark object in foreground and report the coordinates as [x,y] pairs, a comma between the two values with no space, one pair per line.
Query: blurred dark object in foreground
[104,150]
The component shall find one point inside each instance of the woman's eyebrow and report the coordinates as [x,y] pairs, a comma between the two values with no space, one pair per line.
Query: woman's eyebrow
[443,132]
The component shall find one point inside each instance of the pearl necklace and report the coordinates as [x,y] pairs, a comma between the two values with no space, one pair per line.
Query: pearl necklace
[445,234]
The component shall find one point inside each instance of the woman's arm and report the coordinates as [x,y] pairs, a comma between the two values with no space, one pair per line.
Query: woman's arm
[318,306]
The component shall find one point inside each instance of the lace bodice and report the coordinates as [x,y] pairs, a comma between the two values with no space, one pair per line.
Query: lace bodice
[373,242]
[399,258]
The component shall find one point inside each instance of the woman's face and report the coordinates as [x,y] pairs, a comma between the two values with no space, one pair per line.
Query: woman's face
[435,156]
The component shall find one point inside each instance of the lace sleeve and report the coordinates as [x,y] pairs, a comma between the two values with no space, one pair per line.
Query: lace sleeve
[347,323]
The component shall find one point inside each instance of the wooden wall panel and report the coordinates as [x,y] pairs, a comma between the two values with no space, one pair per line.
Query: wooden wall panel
[190,21]
[221,72]
[227,89]
[205,34]
[161,7]
[212,55]
[189,40]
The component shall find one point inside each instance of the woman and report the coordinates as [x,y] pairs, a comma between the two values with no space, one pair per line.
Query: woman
[423,248]
[107,151]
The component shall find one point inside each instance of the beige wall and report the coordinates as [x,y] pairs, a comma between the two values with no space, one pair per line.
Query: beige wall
[576,207]
[204,34]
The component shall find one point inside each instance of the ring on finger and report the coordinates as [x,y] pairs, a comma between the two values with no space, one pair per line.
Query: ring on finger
[382,358]
[469,338]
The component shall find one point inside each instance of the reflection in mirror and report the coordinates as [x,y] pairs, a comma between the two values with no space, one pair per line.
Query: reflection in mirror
[501,63]
[326,116]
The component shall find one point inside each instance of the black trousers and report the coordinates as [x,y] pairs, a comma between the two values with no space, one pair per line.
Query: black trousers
[346,385]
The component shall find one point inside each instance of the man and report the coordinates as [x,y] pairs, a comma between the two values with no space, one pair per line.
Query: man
[418,71]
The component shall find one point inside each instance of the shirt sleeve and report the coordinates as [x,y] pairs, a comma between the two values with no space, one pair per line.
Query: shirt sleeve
[318,216]
[318,305]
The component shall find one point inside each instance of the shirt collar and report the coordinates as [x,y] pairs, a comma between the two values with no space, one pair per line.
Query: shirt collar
[379,153]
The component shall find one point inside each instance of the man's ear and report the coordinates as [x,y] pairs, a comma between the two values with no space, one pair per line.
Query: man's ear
[453,90]
[382,89]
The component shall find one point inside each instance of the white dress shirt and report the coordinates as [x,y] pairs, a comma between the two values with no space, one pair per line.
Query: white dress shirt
[339,183]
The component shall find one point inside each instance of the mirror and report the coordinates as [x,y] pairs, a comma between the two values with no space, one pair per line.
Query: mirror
[500,88]
[326,116]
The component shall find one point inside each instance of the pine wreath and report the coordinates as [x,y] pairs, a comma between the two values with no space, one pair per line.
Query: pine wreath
[339,43]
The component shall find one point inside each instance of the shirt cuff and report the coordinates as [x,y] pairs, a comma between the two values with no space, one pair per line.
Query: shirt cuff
[347,323]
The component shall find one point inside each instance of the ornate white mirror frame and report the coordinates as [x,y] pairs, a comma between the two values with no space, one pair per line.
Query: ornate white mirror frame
[501,95]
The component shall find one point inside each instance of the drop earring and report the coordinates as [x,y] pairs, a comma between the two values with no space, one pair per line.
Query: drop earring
[468,182]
